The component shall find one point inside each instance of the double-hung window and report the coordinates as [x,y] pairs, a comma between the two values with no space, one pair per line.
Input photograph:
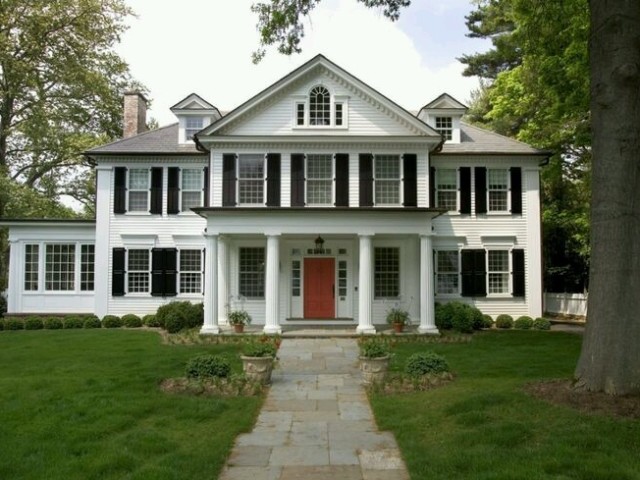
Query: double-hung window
[444,125]
[388,179]
[138,270]
[386,272]
[190,271]
[447,272]
[319,179]
[192,126]
[498,190]
[191,188]
[251,269]
[498,271]
[60,267]
[447,188]
[138,190]
[251,179]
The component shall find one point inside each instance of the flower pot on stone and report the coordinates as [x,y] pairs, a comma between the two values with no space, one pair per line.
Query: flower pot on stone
[398,318]
[239,318]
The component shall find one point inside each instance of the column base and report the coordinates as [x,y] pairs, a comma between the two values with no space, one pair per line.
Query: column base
[272,330]
[211,330]
[366,330]
[428,330]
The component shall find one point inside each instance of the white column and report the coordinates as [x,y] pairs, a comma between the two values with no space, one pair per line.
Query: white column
[365,288]
[427,312]
[223,292]
[272,299]
[533,254]
[102,285]
[211,287]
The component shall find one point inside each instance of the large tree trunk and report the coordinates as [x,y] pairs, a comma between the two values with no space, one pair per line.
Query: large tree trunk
[610,358]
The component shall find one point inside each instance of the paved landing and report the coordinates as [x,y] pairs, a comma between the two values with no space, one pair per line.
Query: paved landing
[316,422]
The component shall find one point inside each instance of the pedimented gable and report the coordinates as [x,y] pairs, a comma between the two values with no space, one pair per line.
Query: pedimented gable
[445,101]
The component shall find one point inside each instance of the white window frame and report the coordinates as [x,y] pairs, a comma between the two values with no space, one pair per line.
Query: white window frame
[131,190]
[296,115]
[40,265]
[399,180]
[456,189]
[194,130]
[184,190]
[507,191]
[331,179]
[240,272]
[506,273]
[184,274]
[304,102]
[129,271]
[90,273]
[35,273]
[437,272]
[376,248]
[324,111]
[444,125]
[240,180]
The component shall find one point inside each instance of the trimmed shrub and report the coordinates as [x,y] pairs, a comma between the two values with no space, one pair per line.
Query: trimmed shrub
[477,318]
[504,321]
[33,323]
[523,323]
[443,316]
[150,320]
[458,316]
[13,323]
[174,322]
[53,323]
[131,320]
[208,366]
[72,321]
[425,363]
[541,324]
[176,316]
[111,321]
[487,321]
[91,322]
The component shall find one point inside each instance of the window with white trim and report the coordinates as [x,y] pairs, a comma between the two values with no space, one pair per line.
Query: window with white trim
[31,266]
[498,190]
[342,278]
[251,269]
[444,125]
[447,272]
[138,270]
[192,126]
[300,114]
[319,106]
[339,109]
[60,267]
[251,173]
[319,188]
[386,272]
[295,278]
[190,271]
[87,267]
[447,188]
[191,188]
[387,179]
[138,190]
[498,271]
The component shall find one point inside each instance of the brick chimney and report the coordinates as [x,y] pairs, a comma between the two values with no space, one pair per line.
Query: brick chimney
[135,114]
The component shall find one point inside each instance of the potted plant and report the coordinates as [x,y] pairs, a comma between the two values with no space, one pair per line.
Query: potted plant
[374,359]
[398,318]
[239,318]
[258,357]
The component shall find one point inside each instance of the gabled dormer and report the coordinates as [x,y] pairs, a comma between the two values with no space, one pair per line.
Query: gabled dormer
[444,114]
[194,113]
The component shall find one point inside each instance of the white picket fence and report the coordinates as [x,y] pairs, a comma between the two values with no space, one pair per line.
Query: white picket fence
[566,303]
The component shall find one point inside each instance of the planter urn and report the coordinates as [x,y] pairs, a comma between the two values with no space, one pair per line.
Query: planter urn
[258,368]
[374,369]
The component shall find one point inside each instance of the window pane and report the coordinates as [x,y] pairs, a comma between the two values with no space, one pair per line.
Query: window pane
[386,272]
[87,267]
[191,179]
[447,178]
[444,125]
[498,267]
[447,272]
[498,187]
[60,267]
[190,271]
[251,179]
[319,106]
[300,114]
[138,271]
[387,179]
[295,278]
[319,179]
[31,262]
[338,114]
[138,179]
[252,272]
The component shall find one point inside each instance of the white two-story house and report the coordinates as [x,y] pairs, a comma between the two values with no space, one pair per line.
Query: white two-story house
[318,201]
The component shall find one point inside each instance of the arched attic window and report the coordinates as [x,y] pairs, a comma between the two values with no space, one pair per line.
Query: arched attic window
[319,106]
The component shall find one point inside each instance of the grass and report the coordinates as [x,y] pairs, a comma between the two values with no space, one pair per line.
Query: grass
[85,404]
[483,426]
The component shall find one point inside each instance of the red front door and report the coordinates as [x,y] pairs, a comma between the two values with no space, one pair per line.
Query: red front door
[319,278]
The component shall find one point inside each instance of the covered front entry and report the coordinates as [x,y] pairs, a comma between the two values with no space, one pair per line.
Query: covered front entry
[319,288]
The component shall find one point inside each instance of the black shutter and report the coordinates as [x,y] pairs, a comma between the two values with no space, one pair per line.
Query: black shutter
[516,190]
[342,179]
[410,180]
[473,273]
[432,187]
[205,188]
[120,190]
[481,190]
[465,190]
[173,190]
[366,180]
[297,180]
[170,271]
[517,261]
[157,272]
[156,191]
[118,271]
[273,179]
[229,180]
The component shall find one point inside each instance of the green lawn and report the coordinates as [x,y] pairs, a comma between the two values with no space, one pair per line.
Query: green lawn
[85,404]
[483,426]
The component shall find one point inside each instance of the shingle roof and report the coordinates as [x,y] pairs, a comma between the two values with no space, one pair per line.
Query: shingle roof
[161,140]
[480,141]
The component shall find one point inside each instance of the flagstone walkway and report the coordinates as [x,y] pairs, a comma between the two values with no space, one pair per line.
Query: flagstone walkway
[316,422]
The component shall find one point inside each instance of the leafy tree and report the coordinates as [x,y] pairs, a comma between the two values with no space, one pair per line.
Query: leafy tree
[61,86]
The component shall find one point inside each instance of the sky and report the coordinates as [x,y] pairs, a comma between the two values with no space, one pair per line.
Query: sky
[204,46]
